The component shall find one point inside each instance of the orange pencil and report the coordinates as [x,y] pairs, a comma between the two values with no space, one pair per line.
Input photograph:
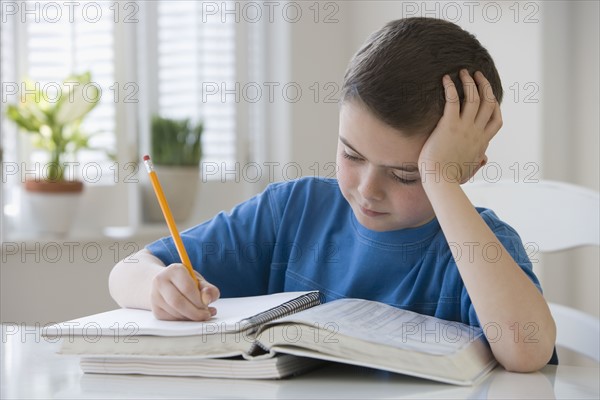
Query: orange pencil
[164,206]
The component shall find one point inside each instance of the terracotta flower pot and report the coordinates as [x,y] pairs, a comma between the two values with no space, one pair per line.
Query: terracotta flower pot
[41,186]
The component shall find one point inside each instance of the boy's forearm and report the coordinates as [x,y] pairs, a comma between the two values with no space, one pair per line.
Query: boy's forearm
[130,281]
[510,308]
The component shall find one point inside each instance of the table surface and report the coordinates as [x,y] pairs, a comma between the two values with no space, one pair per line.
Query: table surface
[30,368]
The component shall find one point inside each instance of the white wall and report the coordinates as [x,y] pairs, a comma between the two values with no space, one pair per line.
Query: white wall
[570,141]
[586,121]
[311,54]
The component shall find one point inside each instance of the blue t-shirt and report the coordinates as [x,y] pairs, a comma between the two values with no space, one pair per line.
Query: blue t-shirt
[302,235]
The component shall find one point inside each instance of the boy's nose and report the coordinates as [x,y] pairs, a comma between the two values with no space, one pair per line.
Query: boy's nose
[369,187]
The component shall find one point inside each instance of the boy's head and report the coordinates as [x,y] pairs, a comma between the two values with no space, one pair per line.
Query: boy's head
[393,98]
[398,72]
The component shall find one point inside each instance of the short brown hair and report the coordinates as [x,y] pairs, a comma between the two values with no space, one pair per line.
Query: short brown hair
[398,72]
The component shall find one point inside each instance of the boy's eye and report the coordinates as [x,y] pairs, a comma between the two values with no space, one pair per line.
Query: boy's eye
[404,180]
[397,178]
[351,157]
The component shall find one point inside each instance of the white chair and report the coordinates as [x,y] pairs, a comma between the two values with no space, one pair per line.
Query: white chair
[554,216]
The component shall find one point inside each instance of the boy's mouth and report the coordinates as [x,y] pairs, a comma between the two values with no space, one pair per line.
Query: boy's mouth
[370,213]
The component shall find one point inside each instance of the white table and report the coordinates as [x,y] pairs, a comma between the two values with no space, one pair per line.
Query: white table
[31,369]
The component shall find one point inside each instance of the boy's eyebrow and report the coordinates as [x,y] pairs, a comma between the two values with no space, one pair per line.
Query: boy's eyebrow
[408,167]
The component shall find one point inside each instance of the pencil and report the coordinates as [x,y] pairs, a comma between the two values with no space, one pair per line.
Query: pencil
[164,206]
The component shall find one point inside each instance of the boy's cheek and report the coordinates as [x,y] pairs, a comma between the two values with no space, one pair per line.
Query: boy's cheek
[345,178]
[340,167]
[344,172]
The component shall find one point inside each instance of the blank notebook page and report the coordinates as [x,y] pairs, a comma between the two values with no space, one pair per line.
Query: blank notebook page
[128,321]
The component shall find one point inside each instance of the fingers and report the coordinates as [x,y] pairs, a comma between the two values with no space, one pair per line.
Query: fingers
[495,123]
[165,312]
[472,99]
[479,100]
[176,296]
[487,100]
[209,292]
[480,103]
[452,106]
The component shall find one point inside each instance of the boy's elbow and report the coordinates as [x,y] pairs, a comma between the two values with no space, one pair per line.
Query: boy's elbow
[527,351]
[528,357]
[526,363]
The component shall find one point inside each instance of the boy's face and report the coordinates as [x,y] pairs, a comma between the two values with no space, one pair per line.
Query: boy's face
[377,172]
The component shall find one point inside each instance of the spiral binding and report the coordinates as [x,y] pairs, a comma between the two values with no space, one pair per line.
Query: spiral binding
[293,306]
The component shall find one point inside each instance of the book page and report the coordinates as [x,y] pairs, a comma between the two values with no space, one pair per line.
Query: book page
[231,368]
[132,322]
[383,324]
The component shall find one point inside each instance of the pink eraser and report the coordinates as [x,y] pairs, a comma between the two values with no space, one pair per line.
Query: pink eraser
[146,157]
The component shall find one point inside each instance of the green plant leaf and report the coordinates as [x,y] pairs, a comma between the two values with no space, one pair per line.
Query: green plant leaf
[176,142]
[55,122]
[23,118]
[79,97]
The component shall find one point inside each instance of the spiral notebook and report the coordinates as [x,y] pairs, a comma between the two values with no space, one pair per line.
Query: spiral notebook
[135,332]
[275,336]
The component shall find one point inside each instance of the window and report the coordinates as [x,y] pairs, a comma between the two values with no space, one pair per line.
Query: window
[160,57]
[193,74]
[57,47]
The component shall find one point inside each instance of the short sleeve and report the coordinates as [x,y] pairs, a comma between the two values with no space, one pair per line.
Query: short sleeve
[232,250]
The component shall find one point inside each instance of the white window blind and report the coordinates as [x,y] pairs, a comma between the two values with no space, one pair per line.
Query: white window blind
[8,76]
[195,67]
[196,74]
[56,48]
[8,142]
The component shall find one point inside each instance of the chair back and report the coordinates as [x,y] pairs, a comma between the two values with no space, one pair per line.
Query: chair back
[553,215]
[550,216]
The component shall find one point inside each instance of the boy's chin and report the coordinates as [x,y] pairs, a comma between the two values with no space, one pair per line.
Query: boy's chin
[386,223]
[377,224]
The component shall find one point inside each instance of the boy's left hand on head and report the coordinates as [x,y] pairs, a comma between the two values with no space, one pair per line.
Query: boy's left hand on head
[456,147]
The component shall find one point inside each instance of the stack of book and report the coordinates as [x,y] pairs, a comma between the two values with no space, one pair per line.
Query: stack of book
[275,336]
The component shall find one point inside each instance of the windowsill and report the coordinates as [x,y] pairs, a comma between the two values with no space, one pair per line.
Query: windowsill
[145,233]
[98,208]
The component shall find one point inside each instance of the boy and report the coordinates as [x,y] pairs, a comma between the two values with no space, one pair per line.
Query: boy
[417,113]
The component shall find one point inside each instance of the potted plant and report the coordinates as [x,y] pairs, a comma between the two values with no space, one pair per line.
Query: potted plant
[176,151]
[54,121]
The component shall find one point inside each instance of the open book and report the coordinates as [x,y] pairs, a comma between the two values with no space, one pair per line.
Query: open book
[277,335]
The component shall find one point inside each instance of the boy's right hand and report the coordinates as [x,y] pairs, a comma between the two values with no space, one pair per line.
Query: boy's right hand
[175,296]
